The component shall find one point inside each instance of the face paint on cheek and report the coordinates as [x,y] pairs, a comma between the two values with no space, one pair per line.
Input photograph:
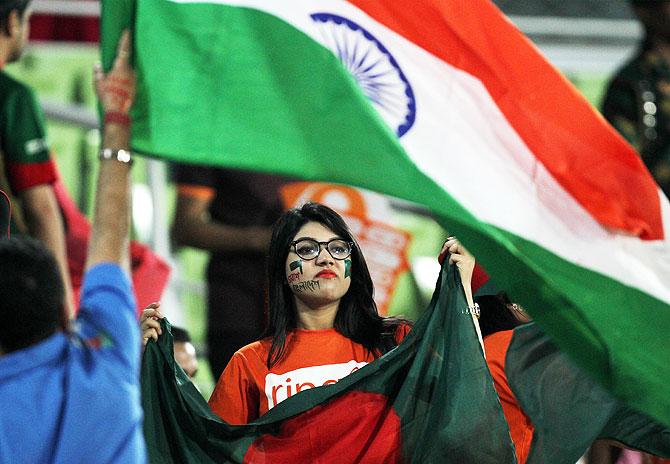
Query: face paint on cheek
[307,286]
[347,268]
[293,277]
[296,265]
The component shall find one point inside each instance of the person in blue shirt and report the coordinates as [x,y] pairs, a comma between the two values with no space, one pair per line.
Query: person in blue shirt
[73,396]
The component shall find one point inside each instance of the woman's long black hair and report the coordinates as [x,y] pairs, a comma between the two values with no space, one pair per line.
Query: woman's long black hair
[495,314]
[357,317]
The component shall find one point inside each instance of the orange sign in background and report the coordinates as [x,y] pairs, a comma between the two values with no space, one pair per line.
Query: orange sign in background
[368,216]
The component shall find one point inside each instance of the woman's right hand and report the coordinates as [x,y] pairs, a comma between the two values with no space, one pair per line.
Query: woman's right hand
[149,323]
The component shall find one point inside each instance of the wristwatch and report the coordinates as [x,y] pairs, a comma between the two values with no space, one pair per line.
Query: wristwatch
[473,310]
[120,155]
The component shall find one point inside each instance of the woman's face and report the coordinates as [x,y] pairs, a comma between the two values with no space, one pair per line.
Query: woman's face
[323,279]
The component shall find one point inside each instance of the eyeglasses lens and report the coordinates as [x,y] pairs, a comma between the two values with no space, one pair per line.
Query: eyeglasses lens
[310,249]
[339,249]
[307,249]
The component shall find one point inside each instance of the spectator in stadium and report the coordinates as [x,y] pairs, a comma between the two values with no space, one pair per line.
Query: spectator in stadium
[323,322]
[228,213]
[26,170]
[184,351]
[499,317]
[637,102]
[65,399]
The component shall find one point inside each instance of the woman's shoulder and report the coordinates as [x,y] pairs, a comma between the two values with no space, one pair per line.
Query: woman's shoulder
[254,350]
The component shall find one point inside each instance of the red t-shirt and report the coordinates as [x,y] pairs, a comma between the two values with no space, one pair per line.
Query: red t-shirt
[520,426]
[247,389]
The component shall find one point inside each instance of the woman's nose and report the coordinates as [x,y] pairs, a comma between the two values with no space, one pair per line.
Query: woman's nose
[324,255]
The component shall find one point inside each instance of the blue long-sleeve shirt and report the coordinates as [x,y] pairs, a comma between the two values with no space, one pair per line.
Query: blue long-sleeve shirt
[65,400]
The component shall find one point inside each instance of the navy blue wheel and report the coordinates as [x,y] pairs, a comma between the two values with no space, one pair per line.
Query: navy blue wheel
[373,67]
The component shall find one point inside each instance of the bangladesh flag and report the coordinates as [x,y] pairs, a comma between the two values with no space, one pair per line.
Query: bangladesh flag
[567,409]
[443,103]
[429,400]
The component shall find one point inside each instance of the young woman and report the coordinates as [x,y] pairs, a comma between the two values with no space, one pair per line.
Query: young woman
[323,322]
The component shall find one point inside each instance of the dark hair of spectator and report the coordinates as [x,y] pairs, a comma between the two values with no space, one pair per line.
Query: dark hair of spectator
[496,315]
[180,335]
[32,293]
[6,7]
[357,317]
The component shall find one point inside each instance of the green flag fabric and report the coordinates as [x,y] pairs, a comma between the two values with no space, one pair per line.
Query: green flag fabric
[568,409]
[429,400]
[444,104]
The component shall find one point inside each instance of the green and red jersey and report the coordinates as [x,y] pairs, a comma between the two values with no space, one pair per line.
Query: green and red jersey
[22,137]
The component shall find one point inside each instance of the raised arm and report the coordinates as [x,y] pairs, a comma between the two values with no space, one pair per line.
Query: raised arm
[107,303]
[465,263]
[116,90]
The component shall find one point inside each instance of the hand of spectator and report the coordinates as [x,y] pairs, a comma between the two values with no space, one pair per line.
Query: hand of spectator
[149,323]
[460,256]
[116,89]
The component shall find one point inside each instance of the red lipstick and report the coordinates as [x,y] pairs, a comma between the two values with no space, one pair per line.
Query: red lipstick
[326,274]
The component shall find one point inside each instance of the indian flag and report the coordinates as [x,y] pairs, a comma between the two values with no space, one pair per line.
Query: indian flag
[443,103]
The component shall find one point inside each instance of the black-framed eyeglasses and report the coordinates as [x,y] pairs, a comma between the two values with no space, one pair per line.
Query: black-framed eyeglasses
[308,248]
